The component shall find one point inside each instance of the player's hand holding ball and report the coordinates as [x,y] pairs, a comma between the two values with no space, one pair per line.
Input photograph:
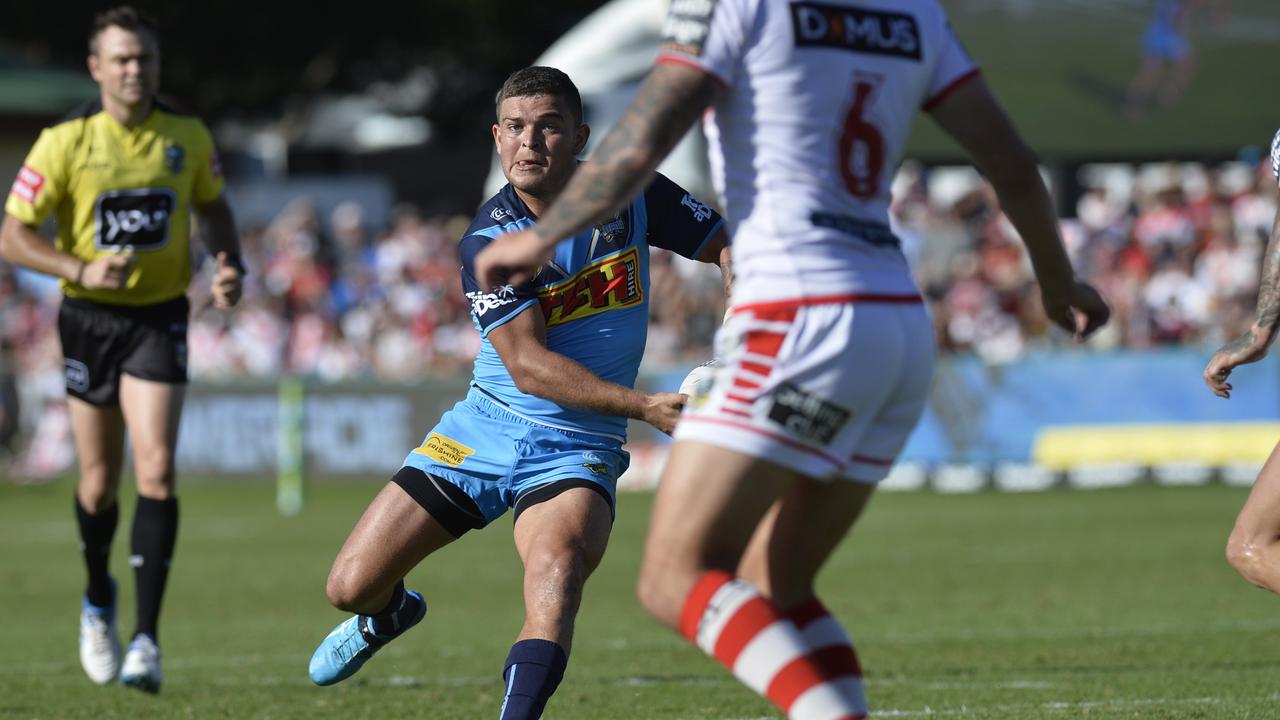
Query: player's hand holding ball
[696,386]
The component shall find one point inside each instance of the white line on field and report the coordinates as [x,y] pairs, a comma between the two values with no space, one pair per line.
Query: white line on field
[963,711]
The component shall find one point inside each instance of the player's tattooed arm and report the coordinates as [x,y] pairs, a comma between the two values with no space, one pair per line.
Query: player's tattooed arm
[671,99]
[1251,346]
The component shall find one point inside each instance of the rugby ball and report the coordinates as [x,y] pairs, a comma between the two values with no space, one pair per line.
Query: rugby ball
[697,384]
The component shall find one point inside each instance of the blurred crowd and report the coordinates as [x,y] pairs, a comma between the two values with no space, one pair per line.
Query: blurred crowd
[1175,249]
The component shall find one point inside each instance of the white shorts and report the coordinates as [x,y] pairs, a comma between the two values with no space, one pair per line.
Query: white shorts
[829,387]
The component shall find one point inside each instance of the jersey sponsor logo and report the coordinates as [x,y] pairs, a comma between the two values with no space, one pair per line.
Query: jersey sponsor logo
[77,374]
[701,212]
[174,158]
[806,415]
[133,219]
[27,185]
[687,26]
[612,283]
[444,449]
[500,212]
[858,30]
[482,302]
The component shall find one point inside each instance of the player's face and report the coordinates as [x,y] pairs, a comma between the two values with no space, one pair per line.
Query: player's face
[537,141]
[126,65]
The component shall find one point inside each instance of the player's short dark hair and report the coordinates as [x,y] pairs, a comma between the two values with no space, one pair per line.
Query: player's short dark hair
[542,80]
[124,17]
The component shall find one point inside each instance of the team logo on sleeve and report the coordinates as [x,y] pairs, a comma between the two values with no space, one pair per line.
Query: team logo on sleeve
[701,212]
[133,219]
[687,26]
[27,185]
[482,302]
[875,32]
[612,283]
[174,158]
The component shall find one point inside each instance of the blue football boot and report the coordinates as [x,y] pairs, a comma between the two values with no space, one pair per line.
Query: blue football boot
[352,643]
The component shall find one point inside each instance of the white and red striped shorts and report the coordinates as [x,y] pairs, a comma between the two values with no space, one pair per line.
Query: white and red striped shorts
[828,387]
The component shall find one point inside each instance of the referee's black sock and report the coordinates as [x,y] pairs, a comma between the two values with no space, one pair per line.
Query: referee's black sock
[96,532]
[155,530]
[533,672]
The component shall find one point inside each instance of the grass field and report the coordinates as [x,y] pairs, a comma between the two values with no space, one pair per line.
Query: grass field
[1101,604]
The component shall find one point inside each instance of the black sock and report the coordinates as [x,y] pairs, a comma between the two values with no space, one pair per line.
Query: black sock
[533,672]
[96,532]
[390,621]
[155,530]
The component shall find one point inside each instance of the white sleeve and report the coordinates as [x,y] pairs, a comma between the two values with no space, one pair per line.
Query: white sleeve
[708,34]
[953,67]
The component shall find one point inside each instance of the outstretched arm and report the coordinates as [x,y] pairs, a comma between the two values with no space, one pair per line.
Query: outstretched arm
[976,120]
[536,370]
[672,97]
[1252,345]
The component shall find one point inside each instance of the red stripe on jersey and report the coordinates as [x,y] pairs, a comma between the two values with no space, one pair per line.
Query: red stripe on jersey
[757,309]
[739,398]
[749,621]
[696,604]
[734,411]
[772,436]
[757,368]
[793,680]
[745,384]
[868,460]
[761,342]
[951,87]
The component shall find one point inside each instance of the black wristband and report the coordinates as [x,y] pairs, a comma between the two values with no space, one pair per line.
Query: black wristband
[237,262]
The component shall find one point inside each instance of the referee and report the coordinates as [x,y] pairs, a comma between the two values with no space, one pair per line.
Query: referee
[120,177]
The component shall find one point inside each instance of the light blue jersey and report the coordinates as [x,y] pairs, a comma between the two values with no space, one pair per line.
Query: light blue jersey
[593,295]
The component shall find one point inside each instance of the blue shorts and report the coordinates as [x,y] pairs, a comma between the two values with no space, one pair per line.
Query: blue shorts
[1165,42]
[497,457]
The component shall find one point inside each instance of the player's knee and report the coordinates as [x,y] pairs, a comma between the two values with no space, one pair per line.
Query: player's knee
[1244,553]
[561,569]
[96,494]
[343,590]
[155,471]
[655,597]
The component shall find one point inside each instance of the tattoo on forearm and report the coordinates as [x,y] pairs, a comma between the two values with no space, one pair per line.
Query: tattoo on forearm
[1269,291]
[670,100]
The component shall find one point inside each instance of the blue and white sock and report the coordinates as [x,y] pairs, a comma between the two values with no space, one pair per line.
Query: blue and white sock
[391,621]
[533,672]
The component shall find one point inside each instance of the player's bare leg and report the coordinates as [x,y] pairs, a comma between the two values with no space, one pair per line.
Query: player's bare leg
[151,412]
[798,535]
[99,439]
[710,502]
[561,542]
[392,536]
[1253,548]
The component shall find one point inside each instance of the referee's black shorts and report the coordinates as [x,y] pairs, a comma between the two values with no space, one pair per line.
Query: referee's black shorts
[100,341]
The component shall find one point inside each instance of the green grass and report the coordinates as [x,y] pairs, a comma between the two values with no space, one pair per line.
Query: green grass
[1104,604]
[1062,70]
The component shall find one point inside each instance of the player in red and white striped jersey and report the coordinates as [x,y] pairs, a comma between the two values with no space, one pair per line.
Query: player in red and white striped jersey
[829,350]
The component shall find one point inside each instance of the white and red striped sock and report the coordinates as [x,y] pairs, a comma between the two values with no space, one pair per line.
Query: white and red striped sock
[731,621]
[829,646]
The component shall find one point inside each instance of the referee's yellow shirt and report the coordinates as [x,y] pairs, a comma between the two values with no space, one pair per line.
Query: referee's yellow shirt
[115,190]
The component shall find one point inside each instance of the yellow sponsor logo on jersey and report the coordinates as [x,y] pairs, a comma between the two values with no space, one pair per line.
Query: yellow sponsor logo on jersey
[446,450]
[610,283]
